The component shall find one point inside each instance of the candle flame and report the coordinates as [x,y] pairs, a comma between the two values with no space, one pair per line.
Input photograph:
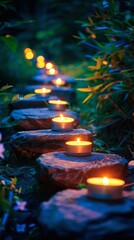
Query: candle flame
[49,65]
[62,118]
[78,140]
[43,90]
[52,71]
[105,181]
[40,59]
[40,64]
[58,81]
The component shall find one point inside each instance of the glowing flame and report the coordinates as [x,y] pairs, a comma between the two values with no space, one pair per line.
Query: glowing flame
[40,64]
[105,62]
[44,90]
[78,140]
[105,181]
[40,59]
[58,81]
[49,65]
[59,101]
[62,118]
[29,55]
[52,71]
[26,50]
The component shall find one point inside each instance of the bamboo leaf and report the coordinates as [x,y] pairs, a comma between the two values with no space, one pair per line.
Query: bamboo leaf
[91,21]
[121,54]
[15,97]
[29,95]
[84,89]
[88,98]
[5,87]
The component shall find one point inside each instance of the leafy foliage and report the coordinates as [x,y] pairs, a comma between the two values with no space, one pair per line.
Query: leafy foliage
[110,79]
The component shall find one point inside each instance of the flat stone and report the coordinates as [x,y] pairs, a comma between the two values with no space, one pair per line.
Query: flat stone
[70,214]
[68,172]
[64,92]
[38,118]
[47,79]
[33,102]
[33,143]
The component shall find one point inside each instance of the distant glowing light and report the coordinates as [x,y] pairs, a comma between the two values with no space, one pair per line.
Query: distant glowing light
[26,50]
[105,62]
[40,64]
[40,59]
[49,65]
[8,35]
[29,55]
[52,71]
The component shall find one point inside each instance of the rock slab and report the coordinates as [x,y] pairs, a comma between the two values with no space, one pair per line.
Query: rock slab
[33,143]
[70,214]
[38,118]
[68,172]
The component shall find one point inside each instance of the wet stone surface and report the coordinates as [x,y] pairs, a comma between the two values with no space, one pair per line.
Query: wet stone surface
[33,143]
[72,215]
[38,118]
[64,171]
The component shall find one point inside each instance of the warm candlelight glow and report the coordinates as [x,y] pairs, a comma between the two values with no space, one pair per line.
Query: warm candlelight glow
[26,50]
[79,143]
[29,55]
[52,71]
[58,82]
[63,119]
[49,65]
[106,181]
[78,148]
[62,123]
[40,59]
[105,188]
[57,105]
[42,90]
[57,102]
[40,64]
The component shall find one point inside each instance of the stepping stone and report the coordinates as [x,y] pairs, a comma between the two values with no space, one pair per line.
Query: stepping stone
[33,102]
[38,118]
[70,214]
[64,93]
[68,171]
[41,79]
[33,143]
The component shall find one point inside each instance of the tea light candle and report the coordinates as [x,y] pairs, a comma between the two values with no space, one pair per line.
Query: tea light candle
[57,105]
[62,123]
[78,148]
[52,71]
[43,91]
[58,82]
[105,188]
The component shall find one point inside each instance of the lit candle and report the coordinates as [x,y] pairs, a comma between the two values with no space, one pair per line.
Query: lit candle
[57,105]
[105,188]
[52,71]
[78,148]
[62,123]
[43,91]
[58,82]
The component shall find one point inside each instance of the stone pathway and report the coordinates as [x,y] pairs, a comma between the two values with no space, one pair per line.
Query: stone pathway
[64,171]
[38,118]
[70,214]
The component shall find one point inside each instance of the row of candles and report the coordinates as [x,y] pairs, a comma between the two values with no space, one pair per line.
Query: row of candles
[99,188]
